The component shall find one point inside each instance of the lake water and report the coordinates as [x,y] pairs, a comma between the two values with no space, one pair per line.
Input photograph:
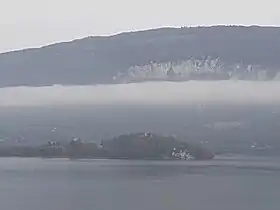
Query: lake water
[239,183]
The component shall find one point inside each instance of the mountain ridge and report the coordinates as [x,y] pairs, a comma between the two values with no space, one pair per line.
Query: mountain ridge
[240,50]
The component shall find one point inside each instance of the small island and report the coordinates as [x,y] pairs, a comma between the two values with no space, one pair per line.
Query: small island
[143,146]
[151,146]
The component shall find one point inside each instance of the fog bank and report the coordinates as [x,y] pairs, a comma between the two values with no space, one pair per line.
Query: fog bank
[243,92]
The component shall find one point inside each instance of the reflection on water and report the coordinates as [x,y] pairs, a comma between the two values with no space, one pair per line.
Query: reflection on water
[225,183]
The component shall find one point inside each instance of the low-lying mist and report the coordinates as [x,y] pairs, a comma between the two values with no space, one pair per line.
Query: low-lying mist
[229,115]
[243,92]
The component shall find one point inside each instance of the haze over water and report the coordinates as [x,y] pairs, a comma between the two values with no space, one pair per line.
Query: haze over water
[235,183]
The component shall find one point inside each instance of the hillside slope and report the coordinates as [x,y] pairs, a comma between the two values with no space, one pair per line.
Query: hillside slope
[218,52]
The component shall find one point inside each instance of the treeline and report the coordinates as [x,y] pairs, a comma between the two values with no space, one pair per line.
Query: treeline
[151,146]
[131,146]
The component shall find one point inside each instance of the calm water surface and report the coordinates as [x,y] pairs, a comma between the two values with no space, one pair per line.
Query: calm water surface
[59,184]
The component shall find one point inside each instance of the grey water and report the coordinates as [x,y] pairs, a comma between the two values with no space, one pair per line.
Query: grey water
[225,183]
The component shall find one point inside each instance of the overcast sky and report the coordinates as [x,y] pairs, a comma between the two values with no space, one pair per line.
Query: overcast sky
[32,23]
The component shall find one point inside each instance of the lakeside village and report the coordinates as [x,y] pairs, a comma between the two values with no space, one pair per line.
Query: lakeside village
[129,146]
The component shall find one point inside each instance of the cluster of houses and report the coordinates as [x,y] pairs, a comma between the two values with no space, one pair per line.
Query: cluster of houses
[181,154]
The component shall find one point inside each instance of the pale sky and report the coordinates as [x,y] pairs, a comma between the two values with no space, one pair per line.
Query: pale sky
[33,23]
